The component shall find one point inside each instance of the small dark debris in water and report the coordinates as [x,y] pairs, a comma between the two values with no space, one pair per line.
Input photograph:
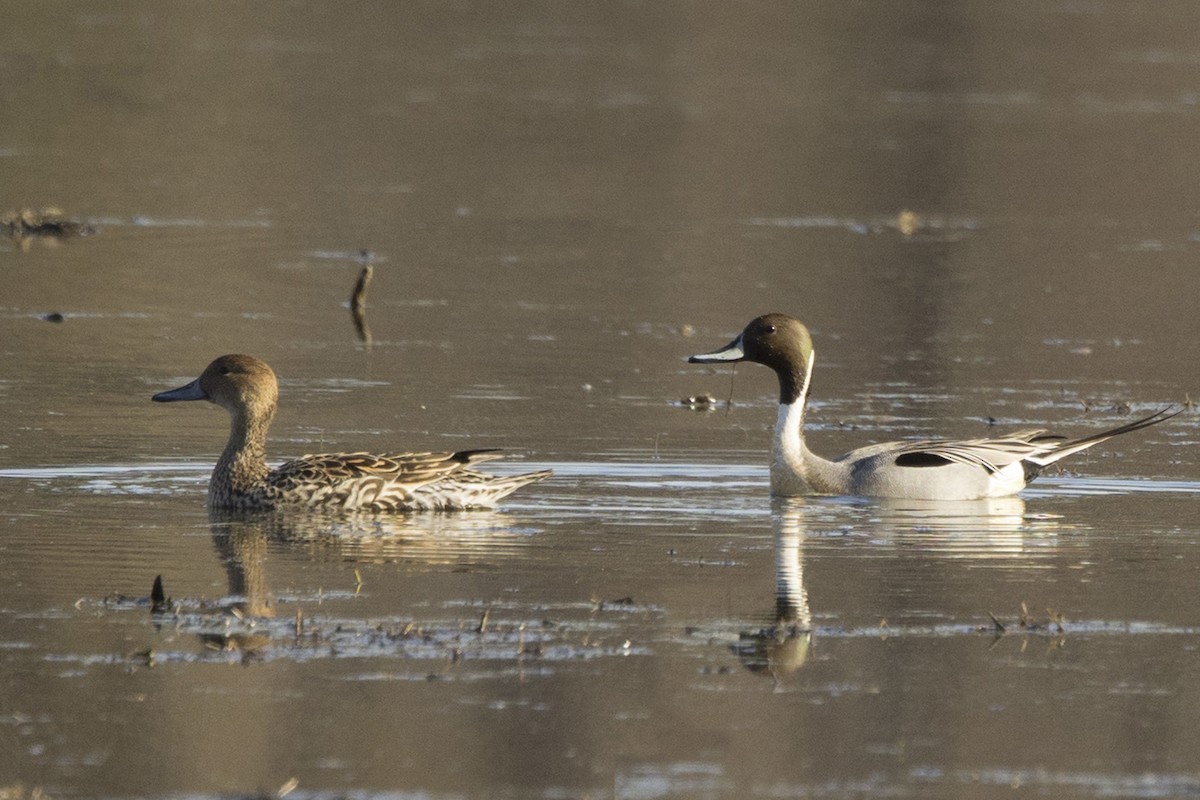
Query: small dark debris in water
[119,599]
[724,669]
[1115,407]
[146,656]
[48,222]
[991,421]
[699,402]
[1054,623]
[53,316]
[158,597]
[620,602]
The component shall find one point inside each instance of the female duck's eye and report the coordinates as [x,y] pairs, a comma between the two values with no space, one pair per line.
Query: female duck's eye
[223,370]
[770,329]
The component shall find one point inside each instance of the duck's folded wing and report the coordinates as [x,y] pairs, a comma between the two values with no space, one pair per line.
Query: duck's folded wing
[992,455]
[1036,448]
[381,481]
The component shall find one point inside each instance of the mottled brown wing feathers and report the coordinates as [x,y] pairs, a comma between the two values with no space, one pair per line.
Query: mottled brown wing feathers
[392,481]
[407,468]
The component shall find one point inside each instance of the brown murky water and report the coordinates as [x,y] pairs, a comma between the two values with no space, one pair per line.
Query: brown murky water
[986,212]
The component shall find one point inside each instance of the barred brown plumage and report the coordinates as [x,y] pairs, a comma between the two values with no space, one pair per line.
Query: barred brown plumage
[359,481]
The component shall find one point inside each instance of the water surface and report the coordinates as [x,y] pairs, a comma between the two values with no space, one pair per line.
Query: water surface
[985,213]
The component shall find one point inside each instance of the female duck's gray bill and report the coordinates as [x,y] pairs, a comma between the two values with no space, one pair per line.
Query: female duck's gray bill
[730,352]
[190,392]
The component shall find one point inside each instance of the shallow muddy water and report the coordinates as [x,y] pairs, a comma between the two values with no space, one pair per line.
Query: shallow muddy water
[987,213]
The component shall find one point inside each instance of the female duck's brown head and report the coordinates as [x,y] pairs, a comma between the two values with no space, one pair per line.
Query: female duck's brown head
[241,384]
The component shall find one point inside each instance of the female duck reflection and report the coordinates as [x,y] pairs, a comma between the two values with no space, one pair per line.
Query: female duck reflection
[241,540]
[990,528]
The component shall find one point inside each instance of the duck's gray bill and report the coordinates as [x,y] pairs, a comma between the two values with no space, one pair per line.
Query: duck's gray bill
[730,352]
[190,392]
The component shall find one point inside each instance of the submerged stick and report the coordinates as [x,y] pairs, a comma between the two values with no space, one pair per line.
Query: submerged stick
[158,597]
[358,299]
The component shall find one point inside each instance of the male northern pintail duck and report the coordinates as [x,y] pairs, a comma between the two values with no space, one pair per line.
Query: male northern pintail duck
[919,470]
[246,387]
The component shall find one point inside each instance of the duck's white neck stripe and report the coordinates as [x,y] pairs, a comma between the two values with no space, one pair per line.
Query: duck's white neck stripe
[788,425]
[789,455]
[790,421]
[803,398]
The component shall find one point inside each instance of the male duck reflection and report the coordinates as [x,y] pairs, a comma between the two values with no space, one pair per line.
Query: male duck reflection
[928,470]
[248,390]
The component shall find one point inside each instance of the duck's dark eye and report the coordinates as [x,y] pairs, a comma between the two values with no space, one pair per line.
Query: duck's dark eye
[224,370]
[770,329]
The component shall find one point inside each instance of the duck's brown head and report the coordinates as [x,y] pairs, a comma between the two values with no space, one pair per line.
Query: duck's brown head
[238,383]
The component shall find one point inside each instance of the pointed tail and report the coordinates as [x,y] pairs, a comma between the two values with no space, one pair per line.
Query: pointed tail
[501,486]
[1075,445]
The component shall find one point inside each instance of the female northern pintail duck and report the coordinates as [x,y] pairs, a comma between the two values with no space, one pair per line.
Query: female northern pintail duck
[918,470]
[248,390]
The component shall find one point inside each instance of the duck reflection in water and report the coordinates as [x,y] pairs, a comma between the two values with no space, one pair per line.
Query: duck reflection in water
[994,528]
[244,619]
[781,648]
[240,540]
